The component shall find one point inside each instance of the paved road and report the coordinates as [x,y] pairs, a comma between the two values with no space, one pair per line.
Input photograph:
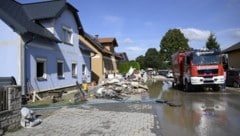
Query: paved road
[104,119]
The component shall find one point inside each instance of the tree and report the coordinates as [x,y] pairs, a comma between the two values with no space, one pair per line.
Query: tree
[152,58]
[141,61]
[212,42]
[172,42]
[123,67]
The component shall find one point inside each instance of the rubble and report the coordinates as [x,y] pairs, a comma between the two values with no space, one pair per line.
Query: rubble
[118,86]
[29,118]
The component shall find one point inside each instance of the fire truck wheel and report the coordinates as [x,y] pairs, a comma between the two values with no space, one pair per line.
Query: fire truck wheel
[187,87]
[236,85]
[216,88]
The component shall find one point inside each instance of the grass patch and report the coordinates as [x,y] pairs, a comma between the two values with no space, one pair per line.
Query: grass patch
[65,100]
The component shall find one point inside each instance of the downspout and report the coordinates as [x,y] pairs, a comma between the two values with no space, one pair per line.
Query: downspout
[23,63]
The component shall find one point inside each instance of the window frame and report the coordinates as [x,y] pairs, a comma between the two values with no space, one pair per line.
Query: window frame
[66,31]
[74,71]
[44,73]
[60,75]
[84,73]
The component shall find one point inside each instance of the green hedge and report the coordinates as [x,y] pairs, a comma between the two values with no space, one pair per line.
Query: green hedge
[123,67]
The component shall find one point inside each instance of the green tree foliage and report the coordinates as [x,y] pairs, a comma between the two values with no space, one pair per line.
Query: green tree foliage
[212,42]
[152,58]
[172,42]
[123,67]
[141,61]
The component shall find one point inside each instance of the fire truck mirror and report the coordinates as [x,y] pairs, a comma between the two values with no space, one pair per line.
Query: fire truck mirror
[188,60]
[225,61]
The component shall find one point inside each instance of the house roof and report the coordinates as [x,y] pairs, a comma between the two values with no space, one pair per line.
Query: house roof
[50,9]
[44,10]
[13,14]
[123,56]
[84,47]
[96,43]
[108,40]
[22,17]
[232,48]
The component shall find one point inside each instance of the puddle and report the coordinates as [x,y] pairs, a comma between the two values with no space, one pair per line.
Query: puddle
[157,88]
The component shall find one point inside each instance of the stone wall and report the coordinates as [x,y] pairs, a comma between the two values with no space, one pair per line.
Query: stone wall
[10,117]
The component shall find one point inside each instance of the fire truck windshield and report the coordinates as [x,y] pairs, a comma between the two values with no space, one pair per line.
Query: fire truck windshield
[206,59]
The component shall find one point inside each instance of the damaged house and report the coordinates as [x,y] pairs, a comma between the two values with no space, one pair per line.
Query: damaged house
[104,59]
[40,45]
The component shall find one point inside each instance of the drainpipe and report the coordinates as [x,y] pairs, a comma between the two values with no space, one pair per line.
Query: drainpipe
[23,63]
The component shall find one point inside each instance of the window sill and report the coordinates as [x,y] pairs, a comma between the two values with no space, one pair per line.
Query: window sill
[74,76]
[71,44]
[41,79]
[61,77]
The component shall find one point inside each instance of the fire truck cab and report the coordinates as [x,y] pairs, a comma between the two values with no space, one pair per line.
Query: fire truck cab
[196,68]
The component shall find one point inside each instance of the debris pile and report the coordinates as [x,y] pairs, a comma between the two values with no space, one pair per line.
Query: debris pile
[118,86]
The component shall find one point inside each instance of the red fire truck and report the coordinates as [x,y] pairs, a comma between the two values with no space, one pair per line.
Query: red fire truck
[198,68]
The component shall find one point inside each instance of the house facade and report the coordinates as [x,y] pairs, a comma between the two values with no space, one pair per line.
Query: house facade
[97,56]
[44,52]
[110,63]
[233,55]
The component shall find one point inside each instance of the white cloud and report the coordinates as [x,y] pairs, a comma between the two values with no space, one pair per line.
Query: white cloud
[112,19]
[237,33]
[196,34]
[148,23]
[134,48]
[127,41]
[231,31]
[228,37]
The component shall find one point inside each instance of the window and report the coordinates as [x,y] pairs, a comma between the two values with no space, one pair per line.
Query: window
[84,75]
[60,69]
[68,35]
[83,69]
[74,69]
[41,69]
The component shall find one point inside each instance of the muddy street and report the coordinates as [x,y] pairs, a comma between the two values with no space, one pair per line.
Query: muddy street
[201,113]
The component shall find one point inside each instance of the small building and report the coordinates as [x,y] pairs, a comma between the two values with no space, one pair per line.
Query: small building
[40,45]
[122,57]
[233,55]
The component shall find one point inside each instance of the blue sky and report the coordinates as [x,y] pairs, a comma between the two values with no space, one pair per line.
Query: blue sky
[140,24]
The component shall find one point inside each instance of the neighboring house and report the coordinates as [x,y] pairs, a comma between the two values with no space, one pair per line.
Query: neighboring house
[40,46]
[122,57]
[110,65]
[97,58]
[233,55]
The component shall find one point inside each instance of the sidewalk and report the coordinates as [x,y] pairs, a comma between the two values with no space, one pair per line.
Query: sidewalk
[108,119]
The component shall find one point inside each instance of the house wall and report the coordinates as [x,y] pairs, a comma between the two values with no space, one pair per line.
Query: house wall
[96,62]
[110,62]
[97,67]
[87,63]
[10,53]
[53,52]
[233,59]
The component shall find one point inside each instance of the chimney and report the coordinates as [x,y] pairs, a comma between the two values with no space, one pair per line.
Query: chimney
[96,36]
